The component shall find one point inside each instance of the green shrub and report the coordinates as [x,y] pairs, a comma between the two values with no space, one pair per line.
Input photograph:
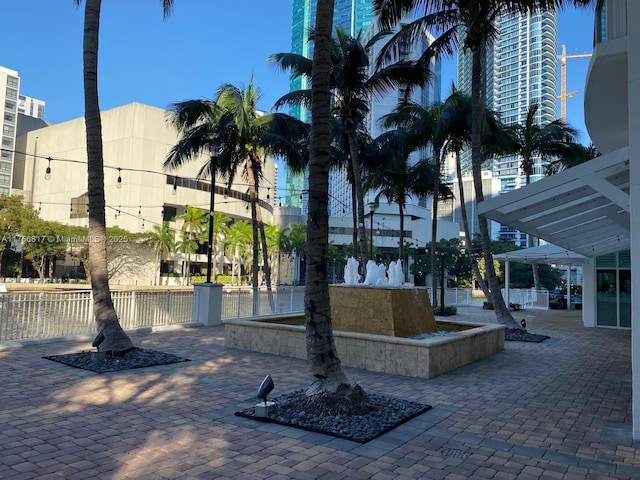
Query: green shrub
[515,307]
[447,311]
[487,305]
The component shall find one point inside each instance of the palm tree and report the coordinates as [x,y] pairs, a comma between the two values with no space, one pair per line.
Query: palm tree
[194,222]
[237,243]
[243,136]
[162,239]
[477,19]
[115,339]
[575,154]
[324,365]
[532,140]
[187,246]
[353,88]
[397,178]
[440,125]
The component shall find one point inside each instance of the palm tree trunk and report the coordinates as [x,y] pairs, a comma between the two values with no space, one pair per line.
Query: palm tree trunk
[266,268]
[357,182]
[478,114]
[324,364]
[467,233]
[253,196]
[434,230]
[106,319]
[530,243]
[354,209]
[401,250]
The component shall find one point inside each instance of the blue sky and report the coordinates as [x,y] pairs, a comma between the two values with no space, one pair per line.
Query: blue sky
[202,45]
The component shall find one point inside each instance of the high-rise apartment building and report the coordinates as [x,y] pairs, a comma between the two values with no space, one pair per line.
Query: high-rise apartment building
[9,93]
[31,107]
[353,16]
[521,69]
[11,105]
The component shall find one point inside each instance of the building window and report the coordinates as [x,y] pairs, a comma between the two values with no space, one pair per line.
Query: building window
[5,166]
[10,106]
[9,118]
[12,93]
[8,130]
[80,206]
[12,81]
[7,142]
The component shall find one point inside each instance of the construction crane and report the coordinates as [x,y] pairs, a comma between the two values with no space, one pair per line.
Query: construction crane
[563,80]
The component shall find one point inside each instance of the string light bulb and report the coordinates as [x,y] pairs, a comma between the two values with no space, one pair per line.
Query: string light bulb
[119,181]
[175,186]
[47,173]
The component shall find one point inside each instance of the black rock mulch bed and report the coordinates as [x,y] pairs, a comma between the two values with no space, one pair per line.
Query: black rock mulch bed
[360,421]
[521,335]
[136,358]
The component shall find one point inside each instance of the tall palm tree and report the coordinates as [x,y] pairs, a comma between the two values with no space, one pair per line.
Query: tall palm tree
[243,137]
[438,126]
[187,246]
[325,367]
[115,339]
[532,141]
[162,239]
[238,241]
[354,86]
[397,178]
[477,19]
[194,222]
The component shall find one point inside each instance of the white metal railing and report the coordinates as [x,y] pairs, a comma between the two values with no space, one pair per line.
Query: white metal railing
[528,298]
[52,314]
[239,303]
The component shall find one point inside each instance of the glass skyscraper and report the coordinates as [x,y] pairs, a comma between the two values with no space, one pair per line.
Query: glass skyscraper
[521,69]
[352,16]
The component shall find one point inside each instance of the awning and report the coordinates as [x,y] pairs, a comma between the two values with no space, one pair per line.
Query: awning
[545,254]
[584,209]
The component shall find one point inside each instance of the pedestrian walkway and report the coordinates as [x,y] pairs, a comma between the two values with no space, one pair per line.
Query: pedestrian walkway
[559,409]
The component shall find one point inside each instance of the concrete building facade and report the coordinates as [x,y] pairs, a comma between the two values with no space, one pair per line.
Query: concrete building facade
[138,193]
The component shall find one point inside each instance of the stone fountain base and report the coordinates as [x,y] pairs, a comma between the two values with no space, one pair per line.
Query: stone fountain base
[372,327]
[391,311]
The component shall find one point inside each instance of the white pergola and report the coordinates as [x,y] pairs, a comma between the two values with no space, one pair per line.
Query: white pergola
[542,254]
[585,209]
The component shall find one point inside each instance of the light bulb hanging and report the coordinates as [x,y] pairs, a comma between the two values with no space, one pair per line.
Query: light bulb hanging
[119,181]
[175,186]
[47,173]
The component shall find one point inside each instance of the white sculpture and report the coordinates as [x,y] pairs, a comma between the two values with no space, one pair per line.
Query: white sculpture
[351,274]
[396,275]
[375,274]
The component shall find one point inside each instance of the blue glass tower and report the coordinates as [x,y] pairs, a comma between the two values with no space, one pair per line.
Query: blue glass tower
[352,16]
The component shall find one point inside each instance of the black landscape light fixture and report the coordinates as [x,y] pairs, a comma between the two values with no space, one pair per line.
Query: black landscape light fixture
[265,388]
[98,340]
[212,171]
[523,322]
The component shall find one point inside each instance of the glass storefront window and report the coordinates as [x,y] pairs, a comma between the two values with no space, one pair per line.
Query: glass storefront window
[606,298]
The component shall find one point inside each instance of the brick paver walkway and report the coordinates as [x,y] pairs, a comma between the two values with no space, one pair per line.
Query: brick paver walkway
[556,410]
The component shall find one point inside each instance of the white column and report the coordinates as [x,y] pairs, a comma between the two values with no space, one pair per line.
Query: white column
[633,26]
[207,304]
[507,280]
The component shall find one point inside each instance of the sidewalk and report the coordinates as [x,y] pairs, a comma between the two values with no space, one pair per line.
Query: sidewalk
[559,409]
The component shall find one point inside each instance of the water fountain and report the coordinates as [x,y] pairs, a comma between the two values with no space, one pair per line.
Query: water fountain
[374,325]
[381,304]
